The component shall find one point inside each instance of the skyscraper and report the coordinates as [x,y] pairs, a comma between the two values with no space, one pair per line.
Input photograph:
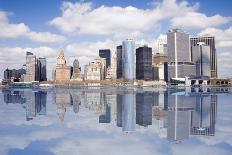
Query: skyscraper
[144,63]
[119,61]
[41,70]
[128,59]
[30,67]
[76,70]
[179,58]
[201,57]
[178,45]
[106,53]
[63,72]
[210,41]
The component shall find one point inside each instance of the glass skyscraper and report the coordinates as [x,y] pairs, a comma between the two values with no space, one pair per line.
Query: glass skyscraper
[41,70]
[105,53]
[144,63]
[128,59]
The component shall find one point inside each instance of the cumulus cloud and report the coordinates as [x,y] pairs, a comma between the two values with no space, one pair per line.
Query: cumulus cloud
[9,30]
[192,20]
[83,18]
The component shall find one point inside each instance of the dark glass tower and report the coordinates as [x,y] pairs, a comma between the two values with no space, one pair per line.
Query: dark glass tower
[119,61]
[144,63]
[41,70]
[105,53]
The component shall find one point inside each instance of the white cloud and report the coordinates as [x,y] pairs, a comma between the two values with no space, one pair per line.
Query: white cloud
[197,20]
[9,30]
[83,18]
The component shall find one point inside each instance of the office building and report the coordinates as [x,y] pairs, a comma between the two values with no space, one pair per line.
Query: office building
[210,41]
[201,57]
[162,46]
[183,68]
[30,67]
[179,63]
[95,70]
[106,53]
[144,63]
[41,70]
[14,75]
[158,61]
[76,73]
[128,59]
[119,61]
[178,46]
[62,72]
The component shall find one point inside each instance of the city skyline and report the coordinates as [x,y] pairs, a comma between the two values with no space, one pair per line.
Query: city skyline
[72,26]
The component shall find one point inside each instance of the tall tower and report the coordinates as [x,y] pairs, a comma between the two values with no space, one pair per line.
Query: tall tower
[201,56]
[210,41]
[128,59]
[144,63]
[30,67]
[106,53]
[76,69]
[119,61]
[63,72]
[178,47]
[41,70]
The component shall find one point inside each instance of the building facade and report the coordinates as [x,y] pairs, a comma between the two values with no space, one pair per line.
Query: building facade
[106,53]
[62,72]
[96,70]
[14,75]
[158,61]
[144,63]
[201,57]
[210,41]
[183,68]
[179,57]
[31,66]
[128,59]
[76,74]
[41,70]
[119,61]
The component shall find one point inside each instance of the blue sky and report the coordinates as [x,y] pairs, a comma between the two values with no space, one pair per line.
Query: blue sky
[81,28]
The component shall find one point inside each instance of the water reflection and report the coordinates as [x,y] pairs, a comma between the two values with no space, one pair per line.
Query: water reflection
[179,113]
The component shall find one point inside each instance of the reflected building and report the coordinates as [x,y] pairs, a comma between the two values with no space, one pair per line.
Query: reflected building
[179,110]
[11,96]
[62,100]
[106,117]
[76,102]
[41,100]
[144,103]
[30,105]
[204,117]
[119,110]
[128,112]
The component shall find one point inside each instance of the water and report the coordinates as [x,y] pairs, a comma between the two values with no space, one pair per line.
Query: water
[115,121]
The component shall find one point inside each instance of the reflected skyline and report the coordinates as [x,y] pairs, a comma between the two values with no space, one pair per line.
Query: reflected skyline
[179,113]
